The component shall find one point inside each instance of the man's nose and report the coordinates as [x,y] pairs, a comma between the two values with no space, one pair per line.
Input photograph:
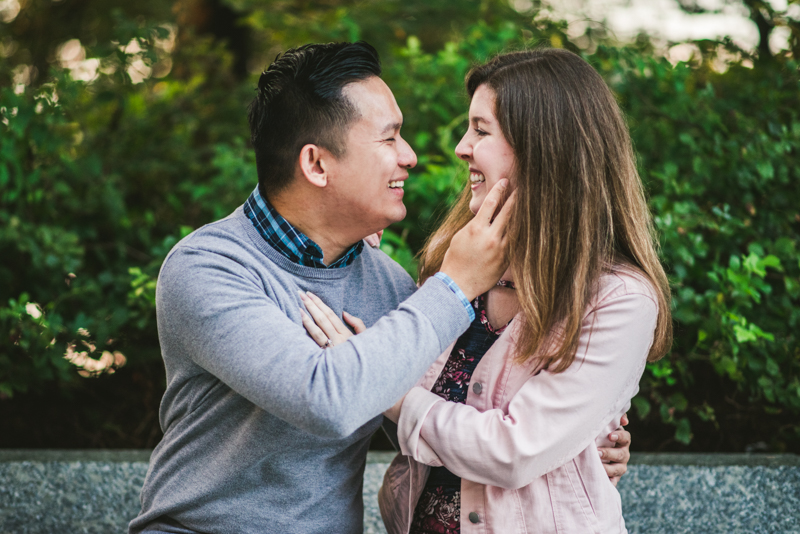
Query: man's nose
[408,158]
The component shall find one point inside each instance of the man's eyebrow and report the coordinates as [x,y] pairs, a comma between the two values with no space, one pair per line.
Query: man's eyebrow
[390,128]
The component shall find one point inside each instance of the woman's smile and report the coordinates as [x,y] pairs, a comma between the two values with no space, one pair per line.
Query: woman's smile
[484,147]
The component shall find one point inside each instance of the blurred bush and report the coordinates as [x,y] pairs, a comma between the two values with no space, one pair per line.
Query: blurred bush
[99,178]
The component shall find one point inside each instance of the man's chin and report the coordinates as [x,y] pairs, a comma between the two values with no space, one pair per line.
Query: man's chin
[401,214]
[397,215]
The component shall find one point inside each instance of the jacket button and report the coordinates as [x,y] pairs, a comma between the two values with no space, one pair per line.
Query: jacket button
[477,387]
[474,517]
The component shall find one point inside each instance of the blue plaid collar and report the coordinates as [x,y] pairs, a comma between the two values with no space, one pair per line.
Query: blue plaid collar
[287,239]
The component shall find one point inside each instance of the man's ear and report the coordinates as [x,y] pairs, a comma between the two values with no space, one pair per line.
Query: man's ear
[314,165]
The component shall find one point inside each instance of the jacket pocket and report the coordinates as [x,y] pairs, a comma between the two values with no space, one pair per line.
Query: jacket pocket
[572,509]
[393,496]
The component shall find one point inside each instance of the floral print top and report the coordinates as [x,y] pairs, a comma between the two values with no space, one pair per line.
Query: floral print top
[438,510]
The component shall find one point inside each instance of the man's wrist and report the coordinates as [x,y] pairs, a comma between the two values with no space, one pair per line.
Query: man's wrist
[457,291]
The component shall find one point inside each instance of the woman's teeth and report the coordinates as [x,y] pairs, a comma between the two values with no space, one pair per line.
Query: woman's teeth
[476,177]
[396,183]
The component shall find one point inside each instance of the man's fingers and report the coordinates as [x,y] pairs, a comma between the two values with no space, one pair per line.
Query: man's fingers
[624,420]
[492,200]
[614,455]
[614,480]
[505,212]
[334,320]
[313,330]
[615,470]
[621,437]
[355,322]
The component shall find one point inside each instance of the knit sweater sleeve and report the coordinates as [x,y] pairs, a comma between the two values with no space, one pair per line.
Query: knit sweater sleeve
[214,311]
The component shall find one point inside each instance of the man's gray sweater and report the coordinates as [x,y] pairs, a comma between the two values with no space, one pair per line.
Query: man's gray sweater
[264,431]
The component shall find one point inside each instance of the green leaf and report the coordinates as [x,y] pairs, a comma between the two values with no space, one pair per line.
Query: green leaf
[683,431]
[772,367]
[642,406]
[744,335]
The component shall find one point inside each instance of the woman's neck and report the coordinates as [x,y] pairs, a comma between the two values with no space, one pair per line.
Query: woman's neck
[508,275]
[501,303]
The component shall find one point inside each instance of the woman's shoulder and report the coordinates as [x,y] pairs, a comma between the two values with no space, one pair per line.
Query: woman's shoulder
[622,279]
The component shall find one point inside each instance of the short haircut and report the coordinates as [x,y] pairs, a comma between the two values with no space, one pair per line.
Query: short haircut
[299,101]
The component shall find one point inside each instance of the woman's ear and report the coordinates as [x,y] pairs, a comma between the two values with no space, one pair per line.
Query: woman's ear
[314,163]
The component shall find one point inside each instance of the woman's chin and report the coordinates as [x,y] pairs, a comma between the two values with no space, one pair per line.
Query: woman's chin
[476,201]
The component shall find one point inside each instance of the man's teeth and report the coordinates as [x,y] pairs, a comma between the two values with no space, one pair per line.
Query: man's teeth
[476,177]
[397,183]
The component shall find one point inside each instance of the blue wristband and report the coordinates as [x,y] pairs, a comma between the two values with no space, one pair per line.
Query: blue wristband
[457,290]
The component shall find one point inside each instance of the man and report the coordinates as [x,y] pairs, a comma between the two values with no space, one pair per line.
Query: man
[264,431]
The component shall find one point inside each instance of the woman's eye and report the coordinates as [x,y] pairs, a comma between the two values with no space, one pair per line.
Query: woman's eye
[390,139]
[480,132]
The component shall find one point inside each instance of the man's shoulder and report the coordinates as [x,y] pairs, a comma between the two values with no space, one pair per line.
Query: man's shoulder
[224,244]
[218,235]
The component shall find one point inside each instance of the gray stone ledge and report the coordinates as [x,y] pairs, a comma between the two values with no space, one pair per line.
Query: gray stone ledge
[385,457]
[75,455]
[714,459]
[96,492]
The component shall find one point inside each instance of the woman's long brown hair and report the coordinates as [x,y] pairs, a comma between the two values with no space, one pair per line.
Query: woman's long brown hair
[580,204]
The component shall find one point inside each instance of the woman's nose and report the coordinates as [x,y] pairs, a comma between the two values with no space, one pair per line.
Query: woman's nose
[463,149]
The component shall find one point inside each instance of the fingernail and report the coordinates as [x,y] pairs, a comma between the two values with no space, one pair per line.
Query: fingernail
[302,295]
[614,437]
[601,453]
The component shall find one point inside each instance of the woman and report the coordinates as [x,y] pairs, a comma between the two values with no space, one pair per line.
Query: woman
[502,433]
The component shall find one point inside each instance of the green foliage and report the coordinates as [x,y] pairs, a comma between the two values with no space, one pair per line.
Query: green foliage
[95,188]
[99,180]
[719,153]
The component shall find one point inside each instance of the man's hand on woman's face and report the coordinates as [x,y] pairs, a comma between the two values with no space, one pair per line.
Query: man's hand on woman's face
[615,459]
[476,258]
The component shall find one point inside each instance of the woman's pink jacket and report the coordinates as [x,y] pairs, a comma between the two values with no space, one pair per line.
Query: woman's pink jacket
[525,443]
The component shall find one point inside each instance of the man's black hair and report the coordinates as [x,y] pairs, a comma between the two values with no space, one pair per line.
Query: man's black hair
[299,101]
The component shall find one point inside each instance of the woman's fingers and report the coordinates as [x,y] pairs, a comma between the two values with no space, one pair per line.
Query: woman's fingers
[323,324]
[319,316]
[313,330]
[373,240]
[355,322]
[332,318]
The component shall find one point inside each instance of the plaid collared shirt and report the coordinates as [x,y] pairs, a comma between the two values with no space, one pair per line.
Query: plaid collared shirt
[287,239]
[298,248]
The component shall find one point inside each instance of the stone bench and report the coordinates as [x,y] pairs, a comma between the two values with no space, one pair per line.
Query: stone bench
[46,492]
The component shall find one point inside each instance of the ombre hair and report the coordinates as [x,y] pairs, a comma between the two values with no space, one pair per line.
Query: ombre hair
[580,206]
